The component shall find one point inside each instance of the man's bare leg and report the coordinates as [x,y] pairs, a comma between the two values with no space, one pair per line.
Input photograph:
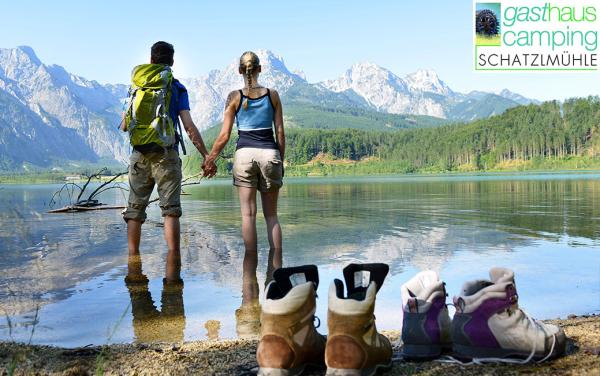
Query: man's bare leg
[134,233]
[172,237]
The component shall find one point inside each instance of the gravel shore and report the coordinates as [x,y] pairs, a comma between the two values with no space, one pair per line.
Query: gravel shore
[237,357]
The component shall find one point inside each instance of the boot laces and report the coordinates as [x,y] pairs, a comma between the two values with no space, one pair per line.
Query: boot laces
[480,361]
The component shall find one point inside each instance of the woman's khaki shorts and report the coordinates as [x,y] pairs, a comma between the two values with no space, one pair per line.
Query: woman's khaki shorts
[258,168]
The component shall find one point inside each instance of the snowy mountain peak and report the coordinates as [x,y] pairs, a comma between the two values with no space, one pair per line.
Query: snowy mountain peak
[300,73]
[268,56]
[27,53]
[18,62]
[369,70]
[427,80]
[428,73]
[361,76]
[366,66]
[272,62]
[387,92]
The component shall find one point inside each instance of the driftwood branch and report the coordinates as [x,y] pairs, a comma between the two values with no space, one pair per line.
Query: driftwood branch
[75,208]
[100,188]
[65,187]
[97,175]
[90,203]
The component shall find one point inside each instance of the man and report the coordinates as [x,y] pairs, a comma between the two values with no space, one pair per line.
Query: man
[152,164]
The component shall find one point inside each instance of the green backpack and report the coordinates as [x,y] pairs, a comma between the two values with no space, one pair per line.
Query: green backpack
[147,118]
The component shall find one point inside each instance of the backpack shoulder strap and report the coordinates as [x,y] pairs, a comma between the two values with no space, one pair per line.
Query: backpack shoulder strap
[176,89]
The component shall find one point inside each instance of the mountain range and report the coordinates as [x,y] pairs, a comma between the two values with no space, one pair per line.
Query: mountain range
[52,118]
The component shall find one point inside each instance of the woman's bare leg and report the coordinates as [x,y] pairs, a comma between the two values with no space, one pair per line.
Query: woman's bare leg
[248,209]
[269,206]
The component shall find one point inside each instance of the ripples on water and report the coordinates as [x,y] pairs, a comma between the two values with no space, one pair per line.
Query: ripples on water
[70,268]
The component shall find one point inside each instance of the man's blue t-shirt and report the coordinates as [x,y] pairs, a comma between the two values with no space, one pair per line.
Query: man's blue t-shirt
[179,102]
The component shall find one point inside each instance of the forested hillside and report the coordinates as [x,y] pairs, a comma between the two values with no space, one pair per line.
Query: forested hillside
[312,116]
[549,131]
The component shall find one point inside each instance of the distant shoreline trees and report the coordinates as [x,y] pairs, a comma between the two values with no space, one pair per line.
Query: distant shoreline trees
[524,133]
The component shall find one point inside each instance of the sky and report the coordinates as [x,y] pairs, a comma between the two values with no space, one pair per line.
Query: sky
[103,40]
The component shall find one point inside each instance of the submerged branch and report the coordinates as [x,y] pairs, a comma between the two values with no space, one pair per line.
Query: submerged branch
[97,175]
[90,203]
[99,189]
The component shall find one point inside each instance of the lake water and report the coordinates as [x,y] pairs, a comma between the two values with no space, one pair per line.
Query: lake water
[62,279]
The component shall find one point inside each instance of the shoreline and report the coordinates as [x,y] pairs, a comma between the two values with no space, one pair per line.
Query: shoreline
[26,180]
[237,357]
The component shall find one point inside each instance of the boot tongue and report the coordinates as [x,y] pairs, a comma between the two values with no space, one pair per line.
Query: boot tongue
[288,278]
[502,275]
[472,287]
[358,277]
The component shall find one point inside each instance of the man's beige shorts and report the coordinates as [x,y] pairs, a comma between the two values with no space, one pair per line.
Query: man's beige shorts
[148,169]
[258,168]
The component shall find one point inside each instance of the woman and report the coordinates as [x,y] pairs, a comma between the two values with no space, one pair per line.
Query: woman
[258,162]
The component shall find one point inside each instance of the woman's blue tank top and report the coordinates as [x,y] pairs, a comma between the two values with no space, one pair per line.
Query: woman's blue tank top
[255,124]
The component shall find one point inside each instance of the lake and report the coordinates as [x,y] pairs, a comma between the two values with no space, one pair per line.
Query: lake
[62,279]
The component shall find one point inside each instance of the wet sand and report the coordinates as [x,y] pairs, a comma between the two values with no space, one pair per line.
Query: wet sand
[237,357]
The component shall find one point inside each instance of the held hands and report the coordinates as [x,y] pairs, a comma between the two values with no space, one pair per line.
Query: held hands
[209,168]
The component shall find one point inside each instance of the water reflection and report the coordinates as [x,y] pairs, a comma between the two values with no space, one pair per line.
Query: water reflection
[43,256]
[212,329]
[247,317]
[72,265]
[149,323]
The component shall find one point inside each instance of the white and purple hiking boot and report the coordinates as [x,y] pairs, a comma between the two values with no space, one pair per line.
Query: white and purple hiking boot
[426,324]
[489,326]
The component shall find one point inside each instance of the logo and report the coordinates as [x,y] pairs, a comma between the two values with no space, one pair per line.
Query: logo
[487,24]
[530,35]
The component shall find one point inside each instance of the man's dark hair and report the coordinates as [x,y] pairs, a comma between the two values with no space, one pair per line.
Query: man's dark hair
[162,53]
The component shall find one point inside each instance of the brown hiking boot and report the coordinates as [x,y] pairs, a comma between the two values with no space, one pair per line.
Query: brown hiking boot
[289,340]
[354,347]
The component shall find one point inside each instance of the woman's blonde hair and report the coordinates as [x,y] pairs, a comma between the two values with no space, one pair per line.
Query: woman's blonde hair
[249,61]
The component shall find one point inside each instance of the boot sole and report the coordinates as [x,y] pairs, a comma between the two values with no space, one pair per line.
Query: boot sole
[421,352]
[358,372]
[280,371]
[263,371]
[470,352]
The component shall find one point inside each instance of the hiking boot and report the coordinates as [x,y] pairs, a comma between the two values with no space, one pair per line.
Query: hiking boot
[289,340]
[489,324]
[425,323]
[354,347]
